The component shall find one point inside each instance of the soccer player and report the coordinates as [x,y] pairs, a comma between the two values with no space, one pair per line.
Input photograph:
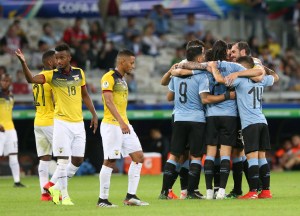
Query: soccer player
[118,136]
[239,160]
[254,127]
[183,168]
[68,85]
[43,123]
[8,135]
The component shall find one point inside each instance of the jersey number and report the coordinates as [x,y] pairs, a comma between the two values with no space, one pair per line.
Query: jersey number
[257,95]
[37,88]
[72,90]
[182,92]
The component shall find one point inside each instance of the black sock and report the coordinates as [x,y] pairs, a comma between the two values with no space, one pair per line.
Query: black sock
[175,175]
[253,176]
[224,172]
[217,176]
[264,175]
[168,178]
[209,173]
[184,178]
[237,173]
[194,176]
[245,169]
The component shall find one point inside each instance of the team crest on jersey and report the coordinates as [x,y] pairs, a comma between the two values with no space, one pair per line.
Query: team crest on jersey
[60,150]
[76,77]
[105,84]
[117,152]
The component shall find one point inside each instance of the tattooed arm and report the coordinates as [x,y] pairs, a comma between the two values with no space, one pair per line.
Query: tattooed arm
[271,72]
[193,65]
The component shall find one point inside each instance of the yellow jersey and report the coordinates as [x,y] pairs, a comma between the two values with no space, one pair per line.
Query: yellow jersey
[43,101]
[6,107]
[67,92]
[114,82]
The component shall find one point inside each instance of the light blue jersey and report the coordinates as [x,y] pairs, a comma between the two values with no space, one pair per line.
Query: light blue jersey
[228,107]
[187,102]
[249,99]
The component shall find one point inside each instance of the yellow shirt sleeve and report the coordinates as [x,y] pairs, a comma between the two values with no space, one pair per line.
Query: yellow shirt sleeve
[83,82]
[48,75]
[107,82]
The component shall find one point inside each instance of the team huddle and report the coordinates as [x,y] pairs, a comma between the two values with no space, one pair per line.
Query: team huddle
[218,112]
[217,98]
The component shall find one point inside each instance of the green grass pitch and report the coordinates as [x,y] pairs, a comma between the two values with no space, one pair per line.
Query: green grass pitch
[84,193]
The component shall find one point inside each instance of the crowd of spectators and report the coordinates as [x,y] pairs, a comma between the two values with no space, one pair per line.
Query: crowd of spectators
[95,46]
[288,156]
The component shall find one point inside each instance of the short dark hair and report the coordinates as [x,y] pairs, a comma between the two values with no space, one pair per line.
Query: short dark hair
[193,43]
[246,59]
[125,52]
[193,51]
[63,47]
[219,50]
[244,45]
[209,55]
[229,45]
[48,54]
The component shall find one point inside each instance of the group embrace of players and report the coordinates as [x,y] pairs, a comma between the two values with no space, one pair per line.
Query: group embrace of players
[217,96]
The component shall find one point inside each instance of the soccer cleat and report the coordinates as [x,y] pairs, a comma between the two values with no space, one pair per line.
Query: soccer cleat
[183,194]
[46,197]
[47,186]
[171,194]
[209,194]
[104,203]
[195,195]
[134,201]
[233,195]
[55,195]
[249,195]
[221,194]
[67,201]
[164,197]
[19,185]
[265,194]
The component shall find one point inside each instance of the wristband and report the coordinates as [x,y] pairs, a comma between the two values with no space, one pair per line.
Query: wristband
[227,95]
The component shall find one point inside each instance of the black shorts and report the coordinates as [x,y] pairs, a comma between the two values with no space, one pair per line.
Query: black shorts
[239,140]
[185,134]
[256,138]
[221,130]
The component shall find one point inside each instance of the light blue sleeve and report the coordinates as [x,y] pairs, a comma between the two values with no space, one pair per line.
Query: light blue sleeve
[203,84]
[268,80]
[237,81]
[195,72]
[171,84]
[237,67]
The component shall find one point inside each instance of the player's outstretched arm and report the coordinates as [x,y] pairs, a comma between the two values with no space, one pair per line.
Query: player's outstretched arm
[181,72]
[89,104]
[109,101]
[212,68]
[272,73]
[207,98]
[167,76]
[255,74]
[193,65]
[38,79]
[170,96]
